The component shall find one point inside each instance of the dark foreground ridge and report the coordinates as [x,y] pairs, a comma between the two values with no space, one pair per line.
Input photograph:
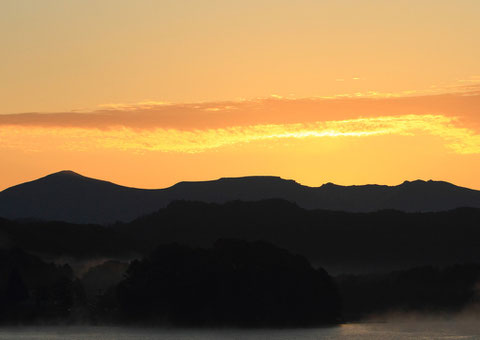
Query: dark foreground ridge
[68,196]
[210,258]
[341,242]
[235,283]
[430,290]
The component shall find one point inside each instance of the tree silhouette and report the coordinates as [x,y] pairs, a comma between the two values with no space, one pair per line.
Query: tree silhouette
[234,283]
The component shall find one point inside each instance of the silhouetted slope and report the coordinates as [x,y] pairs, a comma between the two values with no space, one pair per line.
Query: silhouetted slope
[97,280]
[252,188]
[70,197]
[64,240]
[421,289]
[236,283]
[415,196]
[34,291]
[338,241]
[67,196]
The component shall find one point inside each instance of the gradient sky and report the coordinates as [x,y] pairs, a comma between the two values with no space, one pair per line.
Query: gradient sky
[149,93]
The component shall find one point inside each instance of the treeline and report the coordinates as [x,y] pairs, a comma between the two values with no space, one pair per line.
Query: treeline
[280,288]
[235,283]
[427,289]
[338,241]
[33,291]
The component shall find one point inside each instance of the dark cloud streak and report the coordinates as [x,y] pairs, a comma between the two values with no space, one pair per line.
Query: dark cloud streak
[464,105]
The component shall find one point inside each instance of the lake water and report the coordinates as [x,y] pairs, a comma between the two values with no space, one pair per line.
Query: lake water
[380,331]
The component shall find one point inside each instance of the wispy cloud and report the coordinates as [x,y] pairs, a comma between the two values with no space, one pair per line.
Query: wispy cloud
[457,139]
[136,106]
[198,127]
[462,104]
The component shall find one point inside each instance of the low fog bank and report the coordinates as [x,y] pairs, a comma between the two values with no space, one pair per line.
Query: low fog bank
[426,292]
[235,283]
[81,267]
[471,314]
[385,265]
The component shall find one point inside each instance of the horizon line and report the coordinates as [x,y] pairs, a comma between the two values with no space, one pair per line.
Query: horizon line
[75,173]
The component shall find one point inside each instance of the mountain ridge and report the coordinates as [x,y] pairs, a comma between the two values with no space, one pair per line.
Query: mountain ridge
[71,197]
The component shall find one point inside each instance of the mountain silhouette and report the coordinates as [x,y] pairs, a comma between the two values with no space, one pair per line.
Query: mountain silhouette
[68,196]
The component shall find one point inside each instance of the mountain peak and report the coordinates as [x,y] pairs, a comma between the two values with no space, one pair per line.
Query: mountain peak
[256,179]
[63,176]
[69,196]
[417,181]
[68,173]
[329,185]
[429,183]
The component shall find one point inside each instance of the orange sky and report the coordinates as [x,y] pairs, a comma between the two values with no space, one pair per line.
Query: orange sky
[149,93]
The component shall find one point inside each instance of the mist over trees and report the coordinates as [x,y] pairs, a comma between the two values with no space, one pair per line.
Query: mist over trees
[428,289]
[190,263]
[34,291]
[340,242]
[235,283]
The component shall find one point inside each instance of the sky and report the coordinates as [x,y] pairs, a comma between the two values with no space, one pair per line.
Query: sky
[149,93]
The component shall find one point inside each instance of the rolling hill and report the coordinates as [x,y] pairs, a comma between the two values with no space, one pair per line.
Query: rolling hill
[68,196]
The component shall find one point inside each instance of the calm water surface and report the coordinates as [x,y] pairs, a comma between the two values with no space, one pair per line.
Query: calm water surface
[380,331]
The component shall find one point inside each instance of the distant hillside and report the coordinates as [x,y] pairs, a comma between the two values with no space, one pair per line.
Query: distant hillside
[68,196]
[337,241]
[340,242]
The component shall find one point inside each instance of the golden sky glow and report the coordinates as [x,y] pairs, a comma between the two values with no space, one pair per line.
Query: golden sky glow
[459,140]
[149,93]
